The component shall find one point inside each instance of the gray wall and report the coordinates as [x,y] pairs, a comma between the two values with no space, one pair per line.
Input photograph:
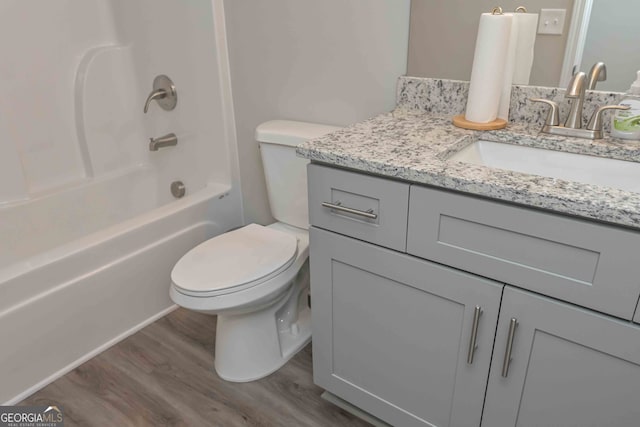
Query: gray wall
[329,61]
[443,36]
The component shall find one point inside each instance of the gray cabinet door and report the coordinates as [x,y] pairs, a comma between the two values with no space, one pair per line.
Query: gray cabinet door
[570,367]
[391,332]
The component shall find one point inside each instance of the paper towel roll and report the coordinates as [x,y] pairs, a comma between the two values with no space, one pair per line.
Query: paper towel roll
[487,72]
[509,67]
[527,30]
[519,57]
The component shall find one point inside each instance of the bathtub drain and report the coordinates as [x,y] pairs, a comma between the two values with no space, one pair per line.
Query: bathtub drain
[178,189]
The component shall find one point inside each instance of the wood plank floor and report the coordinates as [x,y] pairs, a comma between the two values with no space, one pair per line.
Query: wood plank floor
[163,376]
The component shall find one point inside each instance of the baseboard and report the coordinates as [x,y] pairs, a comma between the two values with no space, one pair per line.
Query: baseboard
[353,410]
[70,367]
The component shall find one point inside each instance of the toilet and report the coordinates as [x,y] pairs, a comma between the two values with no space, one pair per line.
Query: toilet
[256,278]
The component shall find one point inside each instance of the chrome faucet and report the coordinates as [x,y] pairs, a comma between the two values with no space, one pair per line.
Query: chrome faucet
[167,140]
[575,92]
[598,73]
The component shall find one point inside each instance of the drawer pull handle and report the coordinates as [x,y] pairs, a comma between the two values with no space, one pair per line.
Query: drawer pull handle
[474,334]
[338,207]
[513,324]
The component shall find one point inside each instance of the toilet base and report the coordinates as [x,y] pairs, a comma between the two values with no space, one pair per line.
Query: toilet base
[250,347]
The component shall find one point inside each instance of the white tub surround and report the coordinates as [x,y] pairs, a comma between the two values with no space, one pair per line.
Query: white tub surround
[89,226]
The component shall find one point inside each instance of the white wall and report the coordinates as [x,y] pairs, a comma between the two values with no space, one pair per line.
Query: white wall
[329,61]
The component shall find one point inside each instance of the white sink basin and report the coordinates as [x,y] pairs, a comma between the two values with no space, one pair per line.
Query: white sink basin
[555,164]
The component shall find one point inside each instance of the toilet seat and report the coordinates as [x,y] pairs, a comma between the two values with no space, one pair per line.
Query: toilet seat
[234,261]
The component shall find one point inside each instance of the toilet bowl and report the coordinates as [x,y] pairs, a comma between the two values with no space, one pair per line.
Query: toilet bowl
[256,278]
[260,297]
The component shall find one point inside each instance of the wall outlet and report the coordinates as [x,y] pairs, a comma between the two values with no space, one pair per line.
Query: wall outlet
[551,21]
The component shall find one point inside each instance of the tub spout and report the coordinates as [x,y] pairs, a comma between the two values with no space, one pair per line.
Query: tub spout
[167,140]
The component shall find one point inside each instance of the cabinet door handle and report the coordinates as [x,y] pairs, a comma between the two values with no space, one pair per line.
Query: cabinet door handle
[513,324]
[338,207]
[474,334]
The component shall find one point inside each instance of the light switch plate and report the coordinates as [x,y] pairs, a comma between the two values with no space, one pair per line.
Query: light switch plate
[551,21]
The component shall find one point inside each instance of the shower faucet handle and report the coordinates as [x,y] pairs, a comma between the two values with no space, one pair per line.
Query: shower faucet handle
[164,92]
[156,94]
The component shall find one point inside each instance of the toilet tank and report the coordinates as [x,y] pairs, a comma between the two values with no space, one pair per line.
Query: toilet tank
[285,173]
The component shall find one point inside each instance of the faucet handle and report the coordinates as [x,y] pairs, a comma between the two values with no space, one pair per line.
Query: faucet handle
[596,120]
[553,118]
[164,92]
[156,94]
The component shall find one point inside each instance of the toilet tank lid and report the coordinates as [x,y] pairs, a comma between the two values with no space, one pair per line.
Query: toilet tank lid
[288,132]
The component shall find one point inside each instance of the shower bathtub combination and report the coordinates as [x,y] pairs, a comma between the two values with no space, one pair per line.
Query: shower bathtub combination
[89,226]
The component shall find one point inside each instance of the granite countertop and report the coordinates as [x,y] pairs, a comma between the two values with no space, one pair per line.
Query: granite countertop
[414,145]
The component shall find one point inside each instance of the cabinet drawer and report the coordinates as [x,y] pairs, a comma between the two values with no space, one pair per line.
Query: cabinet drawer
[589,264]
[361,206]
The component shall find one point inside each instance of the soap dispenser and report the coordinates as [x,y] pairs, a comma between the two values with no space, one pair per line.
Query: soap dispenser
[626,123]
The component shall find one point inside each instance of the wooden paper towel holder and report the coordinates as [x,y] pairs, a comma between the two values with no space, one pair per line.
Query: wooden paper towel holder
[461,122]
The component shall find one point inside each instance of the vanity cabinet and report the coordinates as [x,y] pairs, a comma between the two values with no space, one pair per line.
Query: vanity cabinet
[392,333]
[569,367]
[483,318]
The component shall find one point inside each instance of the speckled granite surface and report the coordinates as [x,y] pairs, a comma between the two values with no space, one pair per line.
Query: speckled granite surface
[449,97]
[414,145]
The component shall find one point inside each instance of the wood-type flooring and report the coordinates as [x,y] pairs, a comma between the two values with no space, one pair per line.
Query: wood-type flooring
[163,376]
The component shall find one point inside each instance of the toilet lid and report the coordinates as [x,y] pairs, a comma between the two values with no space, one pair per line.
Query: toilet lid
[248,255]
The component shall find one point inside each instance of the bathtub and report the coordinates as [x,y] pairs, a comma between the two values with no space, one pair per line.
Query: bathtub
[77,290]
[89,230]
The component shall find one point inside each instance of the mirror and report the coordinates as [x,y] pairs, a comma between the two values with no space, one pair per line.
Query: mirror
[443,34]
